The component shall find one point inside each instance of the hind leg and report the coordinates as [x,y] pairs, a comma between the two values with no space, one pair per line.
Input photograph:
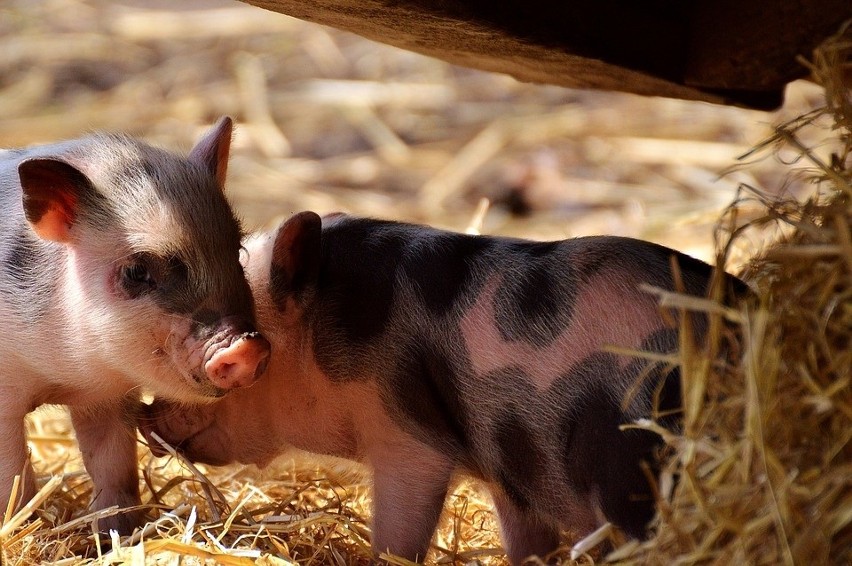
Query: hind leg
[523,534]
[626,493]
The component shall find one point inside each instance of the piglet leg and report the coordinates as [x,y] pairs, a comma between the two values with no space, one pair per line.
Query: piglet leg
[410,485]
[108,443]
[523,534]
[14,460]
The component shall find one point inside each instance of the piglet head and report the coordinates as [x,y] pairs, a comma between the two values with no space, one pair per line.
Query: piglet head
[283,269]
[153,272]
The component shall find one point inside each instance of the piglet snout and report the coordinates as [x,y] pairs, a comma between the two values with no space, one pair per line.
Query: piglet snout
[239,363]
[172,422]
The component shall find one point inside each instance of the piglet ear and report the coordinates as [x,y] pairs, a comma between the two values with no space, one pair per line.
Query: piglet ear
[52,190]
[295,257]
[212,150]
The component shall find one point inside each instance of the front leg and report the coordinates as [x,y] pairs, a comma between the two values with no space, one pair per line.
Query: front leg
[107,439]
[410,485]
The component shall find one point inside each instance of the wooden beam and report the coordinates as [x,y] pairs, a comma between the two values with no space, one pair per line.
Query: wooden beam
[740,52]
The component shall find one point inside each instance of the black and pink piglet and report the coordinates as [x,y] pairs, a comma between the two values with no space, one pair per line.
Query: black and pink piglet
[423,352]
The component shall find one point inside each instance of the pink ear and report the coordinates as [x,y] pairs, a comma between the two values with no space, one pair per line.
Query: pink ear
[51,194]
[212,150]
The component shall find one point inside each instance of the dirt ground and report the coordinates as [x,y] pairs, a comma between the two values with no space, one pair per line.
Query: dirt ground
[328,121]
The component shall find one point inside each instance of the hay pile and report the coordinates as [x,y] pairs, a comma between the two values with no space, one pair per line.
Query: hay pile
[765,459]
[764,468]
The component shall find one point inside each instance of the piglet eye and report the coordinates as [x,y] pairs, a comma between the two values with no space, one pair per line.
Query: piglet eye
[137,273]
[136,279]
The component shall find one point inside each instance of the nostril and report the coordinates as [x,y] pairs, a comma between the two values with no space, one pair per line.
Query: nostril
[240,363]
[261,366]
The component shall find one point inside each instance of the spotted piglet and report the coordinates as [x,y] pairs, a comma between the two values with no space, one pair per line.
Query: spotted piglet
[119,271]
[423,352]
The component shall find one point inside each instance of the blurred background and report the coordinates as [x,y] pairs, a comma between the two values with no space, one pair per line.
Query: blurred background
[329,121]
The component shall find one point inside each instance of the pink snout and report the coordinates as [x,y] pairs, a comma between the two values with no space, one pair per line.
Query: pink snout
[240,363]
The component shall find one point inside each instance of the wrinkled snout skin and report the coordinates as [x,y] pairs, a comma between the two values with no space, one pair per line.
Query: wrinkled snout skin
[224,355]
[423,352]
[119,273]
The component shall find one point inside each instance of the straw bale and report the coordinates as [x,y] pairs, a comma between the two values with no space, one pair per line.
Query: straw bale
[765,460]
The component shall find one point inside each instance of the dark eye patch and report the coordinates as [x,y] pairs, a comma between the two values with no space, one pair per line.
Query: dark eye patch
[176,270]
[137,277]
[144,273]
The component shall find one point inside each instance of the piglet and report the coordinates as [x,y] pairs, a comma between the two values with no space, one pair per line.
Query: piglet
[423,352]
[119,271]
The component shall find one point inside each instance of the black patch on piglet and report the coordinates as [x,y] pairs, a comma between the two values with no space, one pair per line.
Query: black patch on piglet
[358,277]
[424,388]
[355,291]
[30,267]
[521,460]
[600,455]
[649,263]
[583,392]
[23,259]
[626,492]
[204,322]
[442,268]
[536,297]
